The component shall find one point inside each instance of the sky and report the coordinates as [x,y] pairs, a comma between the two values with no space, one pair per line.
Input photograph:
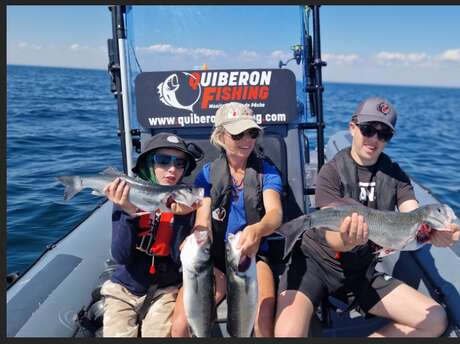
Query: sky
[396,45]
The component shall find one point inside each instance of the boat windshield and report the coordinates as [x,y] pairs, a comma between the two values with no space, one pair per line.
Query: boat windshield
[210,38]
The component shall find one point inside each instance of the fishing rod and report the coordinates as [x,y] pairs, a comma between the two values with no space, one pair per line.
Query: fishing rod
[309,53]
[313,80]
[118,69]
[317,87]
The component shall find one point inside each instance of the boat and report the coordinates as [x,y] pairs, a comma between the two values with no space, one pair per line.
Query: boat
[62,287]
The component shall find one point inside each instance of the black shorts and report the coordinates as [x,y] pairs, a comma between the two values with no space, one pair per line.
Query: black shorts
[307,276]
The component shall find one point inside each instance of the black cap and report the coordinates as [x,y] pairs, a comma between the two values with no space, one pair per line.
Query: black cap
[168,140]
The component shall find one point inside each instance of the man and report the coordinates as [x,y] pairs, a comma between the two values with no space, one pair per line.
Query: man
[343,263]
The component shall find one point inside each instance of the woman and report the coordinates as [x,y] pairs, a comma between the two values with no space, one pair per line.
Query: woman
[144,246]
[235,201]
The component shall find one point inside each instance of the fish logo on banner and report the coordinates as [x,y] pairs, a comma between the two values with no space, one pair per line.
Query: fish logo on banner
[180,90]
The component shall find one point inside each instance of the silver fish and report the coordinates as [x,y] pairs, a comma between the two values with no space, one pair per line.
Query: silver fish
[242,294]
[198,283]
[388,229]
[142,194]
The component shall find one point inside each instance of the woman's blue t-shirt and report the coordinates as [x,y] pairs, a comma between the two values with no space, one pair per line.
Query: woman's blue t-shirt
[237,215]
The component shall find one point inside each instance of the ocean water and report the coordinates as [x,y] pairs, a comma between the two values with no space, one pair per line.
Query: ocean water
[62,121]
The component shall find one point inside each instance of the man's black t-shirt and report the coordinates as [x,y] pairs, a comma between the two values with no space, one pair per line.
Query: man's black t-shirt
[352,264]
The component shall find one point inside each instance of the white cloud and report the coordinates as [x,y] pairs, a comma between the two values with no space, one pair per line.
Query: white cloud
[280,55]
[25,45]
[170,49]
[78,47]
[451,55]
[340,58]
[390,58]
[249,54]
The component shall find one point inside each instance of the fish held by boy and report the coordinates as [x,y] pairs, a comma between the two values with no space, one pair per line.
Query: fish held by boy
[392,231]
[143,194]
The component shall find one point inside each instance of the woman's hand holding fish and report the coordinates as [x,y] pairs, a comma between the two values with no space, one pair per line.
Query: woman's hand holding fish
[117,191]
[445,238]
[249,241]
[354,231]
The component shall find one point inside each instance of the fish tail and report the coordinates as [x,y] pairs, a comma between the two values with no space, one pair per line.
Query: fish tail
[73,185]
[292,230]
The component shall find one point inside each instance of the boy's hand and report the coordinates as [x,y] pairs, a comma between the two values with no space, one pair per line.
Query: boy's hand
[117,192]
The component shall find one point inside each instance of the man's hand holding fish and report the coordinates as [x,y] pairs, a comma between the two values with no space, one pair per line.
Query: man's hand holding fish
[446,237]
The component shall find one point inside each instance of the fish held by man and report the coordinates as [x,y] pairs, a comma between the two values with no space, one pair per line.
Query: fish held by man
[392,231]
[198,283]
[242,289]
[143,194]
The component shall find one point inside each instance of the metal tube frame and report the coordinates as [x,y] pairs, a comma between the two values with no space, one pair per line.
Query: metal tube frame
[121,80]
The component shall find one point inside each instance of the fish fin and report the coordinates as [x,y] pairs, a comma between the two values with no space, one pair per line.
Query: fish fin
[292,230]
[344,201]
[112,171]
[383,252]
[72,184]
[97,193]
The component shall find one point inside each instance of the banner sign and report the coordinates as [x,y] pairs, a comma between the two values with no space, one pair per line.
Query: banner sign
[178,99]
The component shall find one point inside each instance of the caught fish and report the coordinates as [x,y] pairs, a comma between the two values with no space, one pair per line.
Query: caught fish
[390,230]
[198,283]
[142,194]
[242,294]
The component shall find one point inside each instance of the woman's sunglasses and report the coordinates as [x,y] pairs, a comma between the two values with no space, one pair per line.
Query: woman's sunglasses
[369,131]
[166,160]
[253,133]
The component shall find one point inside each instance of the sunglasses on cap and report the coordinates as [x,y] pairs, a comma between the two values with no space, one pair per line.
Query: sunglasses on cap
[167,160]
[368,130]
[253,133]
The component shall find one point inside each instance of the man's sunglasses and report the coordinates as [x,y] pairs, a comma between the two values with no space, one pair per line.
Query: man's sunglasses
[166,160]
[369,131]
[253,133]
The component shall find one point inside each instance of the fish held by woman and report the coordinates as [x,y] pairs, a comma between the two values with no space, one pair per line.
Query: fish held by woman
[242,289]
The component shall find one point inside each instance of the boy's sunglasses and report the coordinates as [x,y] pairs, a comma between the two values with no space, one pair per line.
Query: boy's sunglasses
[166,160]
[253,133]
[369,131]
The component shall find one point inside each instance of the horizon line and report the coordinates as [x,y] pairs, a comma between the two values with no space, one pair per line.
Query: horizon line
[325,81]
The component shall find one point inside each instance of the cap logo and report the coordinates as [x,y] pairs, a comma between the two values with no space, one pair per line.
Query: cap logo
[232,114]
[383,108]
[172,139]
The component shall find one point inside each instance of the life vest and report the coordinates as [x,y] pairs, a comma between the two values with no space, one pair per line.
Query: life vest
[386,184]
[221,196]
[160,234]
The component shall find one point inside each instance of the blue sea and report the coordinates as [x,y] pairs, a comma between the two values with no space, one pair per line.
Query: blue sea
[64,121]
